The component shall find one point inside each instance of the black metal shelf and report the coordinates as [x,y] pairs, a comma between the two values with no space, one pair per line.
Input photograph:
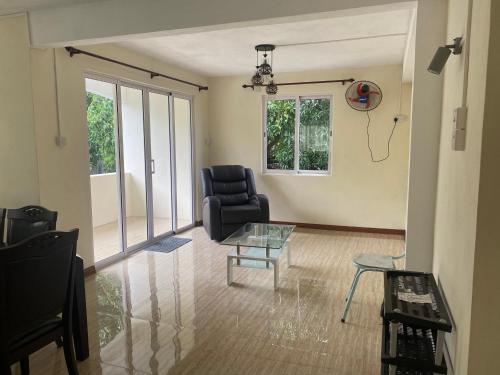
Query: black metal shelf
[404,371]
[416,317]
[427,315]
[416,349]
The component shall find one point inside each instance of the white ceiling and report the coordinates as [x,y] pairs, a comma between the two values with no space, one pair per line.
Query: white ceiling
[358,41]
[12,6]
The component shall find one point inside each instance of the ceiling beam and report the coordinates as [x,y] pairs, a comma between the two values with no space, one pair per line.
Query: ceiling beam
[409,55]
[118,20]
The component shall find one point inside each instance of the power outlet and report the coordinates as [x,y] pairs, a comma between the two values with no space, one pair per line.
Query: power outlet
[400,118]
[459,128]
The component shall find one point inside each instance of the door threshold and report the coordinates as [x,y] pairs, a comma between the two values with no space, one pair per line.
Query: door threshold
[122,256]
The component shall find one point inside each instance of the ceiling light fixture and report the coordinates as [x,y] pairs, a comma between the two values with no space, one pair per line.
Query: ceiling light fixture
[264,76]
[264,70]
[272,88]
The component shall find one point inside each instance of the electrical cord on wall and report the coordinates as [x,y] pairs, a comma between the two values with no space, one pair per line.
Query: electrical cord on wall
[388,141]
[396,119]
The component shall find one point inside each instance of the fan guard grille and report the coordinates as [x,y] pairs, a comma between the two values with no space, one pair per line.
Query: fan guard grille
[353,99]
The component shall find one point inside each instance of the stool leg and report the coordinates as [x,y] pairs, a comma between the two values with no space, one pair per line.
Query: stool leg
[351,294]
[352,284]
[276,274]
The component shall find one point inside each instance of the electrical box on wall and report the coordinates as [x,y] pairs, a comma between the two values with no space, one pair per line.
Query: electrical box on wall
[459,128]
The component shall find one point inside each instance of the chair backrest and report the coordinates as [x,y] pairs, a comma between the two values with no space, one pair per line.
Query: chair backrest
[3,211]
[27,221]
[36,282]
[233,184]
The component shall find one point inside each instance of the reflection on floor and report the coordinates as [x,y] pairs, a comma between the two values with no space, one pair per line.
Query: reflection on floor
[107,240]
[159,313]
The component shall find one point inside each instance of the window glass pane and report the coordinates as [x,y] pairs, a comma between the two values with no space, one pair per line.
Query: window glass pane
[159,124]
[183,167]
[280,130]
[134,165]
[101,126]
[104,182]
[314,134]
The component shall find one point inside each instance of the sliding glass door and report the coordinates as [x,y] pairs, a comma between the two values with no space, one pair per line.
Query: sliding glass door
[161,169]
[134,166]
[183,162]
[140,161]
[102,128]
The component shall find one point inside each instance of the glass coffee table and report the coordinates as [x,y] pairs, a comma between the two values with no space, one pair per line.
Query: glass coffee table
[259,245]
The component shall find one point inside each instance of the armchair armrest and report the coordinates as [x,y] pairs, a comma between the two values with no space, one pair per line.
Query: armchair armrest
[262,201]
[211,207]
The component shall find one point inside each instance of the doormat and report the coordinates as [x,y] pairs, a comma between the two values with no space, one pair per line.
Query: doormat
[166,245]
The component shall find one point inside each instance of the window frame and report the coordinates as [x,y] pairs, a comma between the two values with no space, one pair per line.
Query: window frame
[296,170]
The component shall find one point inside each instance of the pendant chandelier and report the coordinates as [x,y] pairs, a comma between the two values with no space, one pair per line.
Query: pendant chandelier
[264,69]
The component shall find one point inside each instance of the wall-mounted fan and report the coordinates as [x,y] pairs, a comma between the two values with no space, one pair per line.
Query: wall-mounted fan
[363,96]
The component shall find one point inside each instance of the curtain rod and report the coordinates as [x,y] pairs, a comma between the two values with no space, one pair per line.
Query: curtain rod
[75,51]
[343,81]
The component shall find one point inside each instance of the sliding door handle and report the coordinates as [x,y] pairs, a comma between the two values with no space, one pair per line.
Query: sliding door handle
[153,166]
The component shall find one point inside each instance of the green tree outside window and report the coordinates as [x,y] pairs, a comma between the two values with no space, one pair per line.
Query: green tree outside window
[314,134]
[101,134]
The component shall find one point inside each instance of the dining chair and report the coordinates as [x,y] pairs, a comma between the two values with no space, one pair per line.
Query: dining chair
[368,263]
[27,221]
[36,297]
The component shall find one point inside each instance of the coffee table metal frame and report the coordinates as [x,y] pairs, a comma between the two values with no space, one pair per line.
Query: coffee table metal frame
[236,255]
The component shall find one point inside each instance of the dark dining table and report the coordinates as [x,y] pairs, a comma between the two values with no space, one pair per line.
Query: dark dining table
[80,327]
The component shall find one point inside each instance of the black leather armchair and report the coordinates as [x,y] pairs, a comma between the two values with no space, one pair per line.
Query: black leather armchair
[230,200]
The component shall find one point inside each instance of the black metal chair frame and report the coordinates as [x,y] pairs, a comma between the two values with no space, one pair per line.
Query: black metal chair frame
[3,211]
[16,344]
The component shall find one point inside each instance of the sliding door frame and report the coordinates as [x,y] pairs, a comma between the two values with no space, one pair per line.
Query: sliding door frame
[126,250]
[151,236]
[173,160]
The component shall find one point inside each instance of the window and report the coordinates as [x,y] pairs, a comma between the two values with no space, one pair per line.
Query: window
[297,134]
[101,127]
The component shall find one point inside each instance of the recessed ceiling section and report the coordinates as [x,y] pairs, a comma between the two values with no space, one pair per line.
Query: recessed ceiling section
[349,41]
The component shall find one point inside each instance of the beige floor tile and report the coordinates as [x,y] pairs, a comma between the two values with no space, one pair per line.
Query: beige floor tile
[172,313]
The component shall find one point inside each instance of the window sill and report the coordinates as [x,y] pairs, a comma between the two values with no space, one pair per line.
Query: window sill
[295,173]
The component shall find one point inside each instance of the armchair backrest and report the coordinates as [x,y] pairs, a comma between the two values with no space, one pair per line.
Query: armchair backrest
[232,184]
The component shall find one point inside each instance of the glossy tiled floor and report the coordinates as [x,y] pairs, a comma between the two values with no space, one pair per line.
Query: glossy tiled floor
[107,241]
[157,313]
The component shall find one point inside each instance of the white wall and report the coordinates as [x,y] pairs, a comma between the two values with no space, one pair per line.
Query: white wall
[18,164]
[358,193]
[105,198]
[456,222]
[484,355]
[104,188]
[424,145]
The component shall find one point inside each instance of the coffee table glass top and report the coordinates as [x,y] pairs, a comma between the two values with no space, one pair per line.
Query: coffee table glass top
[272,236]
